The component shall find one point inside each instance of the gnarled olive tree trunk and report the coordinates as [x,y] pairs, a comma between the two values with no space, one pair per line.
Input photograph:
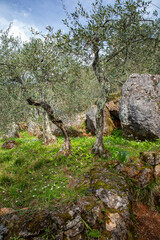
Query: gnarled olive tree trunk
[98,146]
[66,147]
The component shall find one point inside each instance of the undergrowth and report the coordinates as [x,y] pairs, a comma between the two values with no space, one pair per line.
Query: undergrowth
[36,176]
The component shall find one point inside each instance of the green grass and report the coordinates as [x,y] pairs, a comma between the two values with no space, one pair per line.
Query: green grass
[36,176]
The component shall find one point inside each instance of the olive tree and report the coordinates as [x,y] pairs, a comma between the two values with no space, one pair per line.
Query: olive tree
[47,76]
[103,35]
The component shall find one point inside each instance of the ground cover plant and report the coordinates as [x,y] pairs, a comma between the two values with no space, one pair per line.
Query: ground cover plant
[37,176]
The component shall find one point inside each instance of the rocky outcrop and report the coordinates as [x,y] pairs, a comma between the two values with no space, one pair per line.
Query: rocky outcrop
[153,158]
[91,121]
[103,214]
[140,107]
[142,170]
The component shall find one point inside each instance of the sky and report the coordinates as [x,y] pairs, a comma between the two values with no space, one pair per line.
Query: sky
[38,14]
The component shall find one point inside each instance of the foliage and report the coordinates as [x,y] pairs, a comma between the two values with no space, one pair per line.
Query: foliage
[92,232]
[43,70]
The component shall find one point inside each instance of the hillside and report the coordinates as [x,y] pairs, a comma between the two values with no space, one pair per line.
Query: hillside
[35,177]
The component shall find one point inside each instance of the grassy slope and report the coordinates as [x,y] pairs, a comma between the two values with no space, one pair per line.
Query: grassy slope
[34,175]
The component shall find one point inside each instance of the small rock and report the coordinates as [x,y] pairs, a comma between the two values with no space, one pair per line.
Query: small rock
[157,171]
[145,177]
[22,126]
[153,158]
[34,129]
[73,223]
[9,144]
[113,107]
[112,198]
[4,211]
[3,231]
[75,230]
[111,224]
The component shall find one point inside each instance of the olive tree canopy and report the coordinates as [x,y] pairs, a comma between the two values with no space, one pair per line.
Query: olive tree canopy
[105,34]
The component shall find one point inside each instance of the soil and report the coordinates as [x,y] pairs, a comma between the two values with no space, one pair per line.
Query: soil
[148,222]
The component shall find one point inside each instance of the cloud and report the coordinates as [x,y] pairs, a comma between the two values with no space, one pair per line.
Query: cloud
[18,28]
[19,18]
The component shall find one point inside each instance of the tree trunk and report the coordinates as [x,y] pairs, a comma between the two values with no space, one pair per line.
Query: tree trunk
[99,146]
[66,147]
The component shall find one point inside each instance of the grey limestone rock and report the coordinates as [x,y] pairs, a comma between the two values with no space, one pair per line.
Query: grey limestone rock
[139,108]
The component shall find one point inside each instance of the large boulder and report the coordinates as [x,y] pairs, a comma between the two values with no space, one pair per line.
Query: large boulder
[91,121]
[140,107]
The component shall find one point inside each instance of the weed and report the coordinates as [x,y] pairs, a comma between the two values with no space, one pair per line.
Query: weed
[95,233]
[16,238]
[48,234]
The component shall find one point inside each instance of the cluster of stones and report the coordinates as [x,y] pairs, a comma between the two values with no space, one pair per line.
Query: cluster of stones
[106,212]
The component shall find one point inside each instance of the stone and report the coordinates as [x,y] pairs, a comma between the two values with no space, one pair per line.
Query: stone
[111,224]
[23,126]
[137,171]
[153,158]
[9,144]
[13,131]
[145,177]
[157,171]
[3,231]
[91,121]
[50,139]
[75,230]
[4,211]
[113,107]
[139,107]
[75,125]
[112,199]
[34,129]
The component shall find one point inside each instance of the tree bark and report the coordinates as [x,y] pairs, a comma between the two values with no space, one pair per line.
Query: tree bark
[66,147]
[99,146]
